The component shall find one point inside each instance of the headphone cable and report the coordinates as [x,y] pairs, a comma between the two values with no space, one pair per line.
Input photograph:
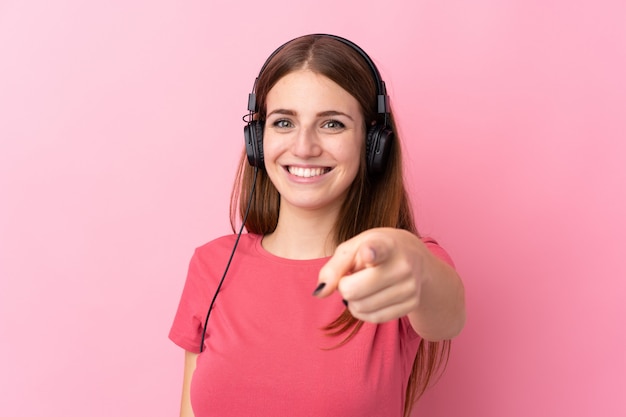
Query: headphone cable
[232,254]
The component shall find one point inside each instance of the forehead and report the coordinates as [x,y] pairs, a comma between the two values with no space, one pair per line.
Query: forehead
[308,89]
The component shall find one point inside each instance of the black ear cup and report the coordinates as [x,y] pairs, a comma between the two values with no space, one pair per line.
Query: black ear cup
[378,148]
[253,134]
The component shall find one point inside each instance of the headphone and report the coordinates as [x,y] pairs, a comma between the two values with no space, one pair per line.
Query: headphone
[379,136]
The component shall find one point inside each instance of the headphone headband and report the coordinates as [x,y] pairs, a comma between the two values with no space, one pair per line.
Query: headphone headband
[382,100]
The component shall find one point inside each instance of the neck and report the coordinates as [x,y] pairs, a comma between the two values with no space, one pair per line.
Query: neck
[302,234]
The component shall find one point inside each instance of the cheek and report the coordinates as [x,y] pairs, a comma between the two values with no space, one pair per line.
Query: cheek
[270,147]
[353,151]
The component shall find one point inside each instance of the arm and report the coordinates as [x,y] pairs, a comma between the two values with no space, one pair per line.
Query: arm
[440,311]
[190,367]
[387,273]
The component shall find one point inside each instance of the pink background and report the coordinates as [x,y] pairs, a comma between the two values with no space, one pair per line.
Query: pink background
[120,127]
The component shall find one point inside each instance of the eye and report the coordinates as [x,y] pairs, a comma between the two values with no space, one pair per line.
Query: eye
[333,124]
[282,124]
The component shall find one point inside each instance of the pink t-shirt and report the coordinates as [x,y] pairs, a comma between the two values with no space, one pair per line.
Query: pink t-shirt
[266,354]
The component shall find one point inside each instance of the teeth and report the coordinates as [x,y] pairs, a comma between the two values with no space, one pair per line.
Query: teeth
[306,172]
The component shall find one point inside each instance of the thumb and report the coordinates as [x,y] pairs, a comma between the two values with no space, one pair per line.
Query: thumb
[350,257]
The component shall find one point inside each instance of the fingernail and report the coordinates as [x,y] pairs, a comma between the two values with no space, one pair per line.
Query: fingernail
[345,303]
[319,288]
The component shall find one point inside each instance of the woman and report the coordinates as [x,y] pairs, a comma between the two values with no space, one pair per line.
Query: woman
[324,204]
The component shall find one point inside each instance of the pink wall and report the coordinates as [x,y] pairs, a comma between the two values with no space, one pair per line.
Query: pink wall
[119,131]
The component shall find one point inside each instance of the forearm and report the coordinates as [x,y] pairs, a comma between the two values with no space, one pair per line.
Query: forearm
[440,313]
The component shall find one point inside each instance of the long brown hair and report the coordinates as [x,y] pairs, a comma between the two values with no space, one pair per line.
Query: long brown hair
[372,201]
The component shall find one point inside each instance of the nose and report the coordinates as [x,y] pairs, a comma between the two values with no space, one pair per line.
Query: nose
[306,144]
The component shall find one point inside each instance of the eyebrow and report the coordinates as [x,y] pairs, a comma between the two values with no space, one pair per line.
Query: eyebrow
[321,114]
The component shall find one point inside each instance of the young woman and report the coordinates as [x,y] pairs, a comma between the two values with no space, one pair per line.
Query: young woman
[332,304]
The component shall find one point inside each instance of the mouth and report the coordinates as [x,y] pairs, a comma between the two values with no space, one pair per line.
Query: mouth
[307,172]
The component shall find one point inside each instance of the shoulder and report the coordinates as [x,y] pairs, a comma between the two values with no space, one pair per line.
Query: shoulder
[225,244]
[209,260]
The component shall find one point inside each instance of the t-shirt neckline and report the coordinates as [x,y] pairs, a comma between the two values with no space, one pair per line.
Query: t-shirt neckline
[298,262]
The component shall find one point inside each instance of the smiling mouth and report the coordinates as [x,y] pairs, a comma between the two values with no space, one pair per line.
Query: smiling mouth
[307,172]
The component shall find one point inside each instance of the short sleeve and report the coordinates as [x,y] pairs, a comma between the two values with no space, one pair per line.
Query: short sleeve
[186,331]
[437,250]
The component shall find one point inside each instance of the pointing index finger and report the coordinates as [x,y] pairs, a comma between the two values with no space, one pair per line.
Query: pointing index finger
[349,257]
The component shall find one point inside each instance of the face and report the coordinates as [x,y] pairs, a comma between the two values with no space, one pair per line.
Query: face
[314,133]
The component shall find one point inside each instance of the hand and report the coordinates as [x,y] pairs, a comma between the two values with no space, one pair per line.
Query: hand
[378,273]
